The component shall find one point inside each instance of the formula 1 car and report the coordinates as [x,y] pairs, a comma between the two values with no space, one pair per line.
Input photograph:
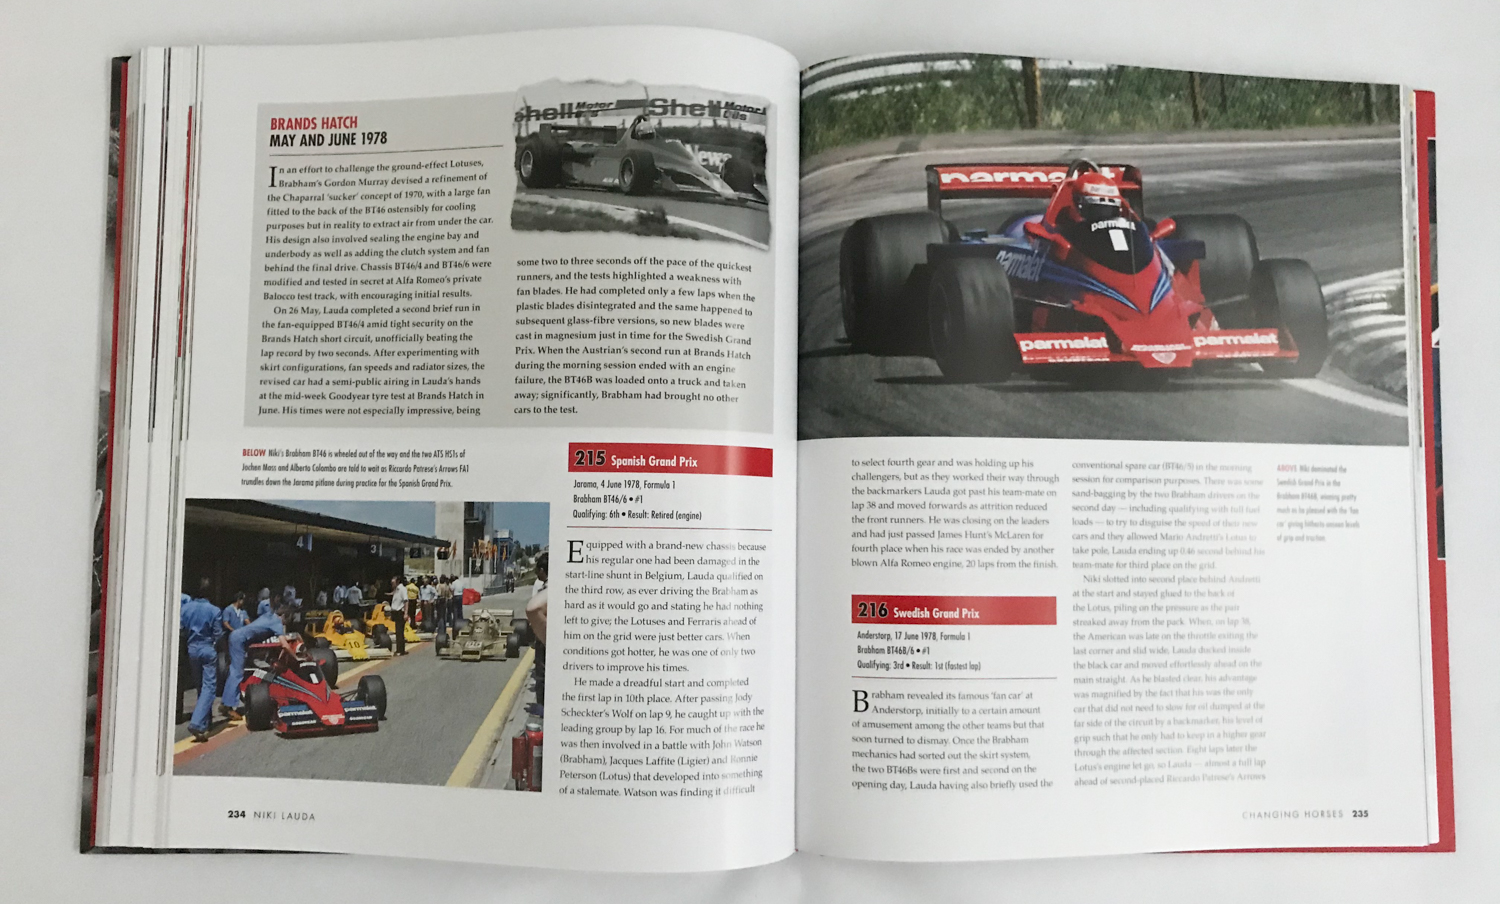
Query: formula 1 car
[379,625]
[332,631]
[1087,285]
[290,688]
[634,160]
[483,636]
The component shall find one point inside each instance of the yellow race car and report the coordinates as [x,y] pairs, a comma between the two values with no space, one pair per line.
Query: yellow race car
[341,635]
[379,626]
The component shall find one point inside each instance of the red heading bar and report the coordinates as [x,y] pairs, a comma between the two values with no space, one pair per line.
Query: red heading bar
[953,610]
[668,458]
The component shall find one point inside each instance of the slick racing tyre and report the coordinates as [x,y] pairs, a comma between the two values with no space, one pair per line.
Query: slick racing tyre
[971,317]
[739,175]
[1285,294]
[328,664]
[520,629]
[372,691]
[539,162]
[512,647]
[637,173]
[1224,273]
[222,668]
[260,709]
[877,256]
[382,637]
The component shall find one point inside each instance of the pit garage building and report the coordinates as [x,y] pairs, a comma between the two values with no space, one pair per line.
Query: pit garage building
[245,544]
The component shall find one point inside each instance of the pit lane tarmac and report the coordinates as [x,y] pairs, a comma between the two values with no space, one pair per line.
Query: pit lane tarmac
[435,709]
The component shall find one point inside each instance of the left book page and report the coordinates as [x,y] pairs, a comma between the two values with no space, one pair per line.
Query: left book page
[423,338]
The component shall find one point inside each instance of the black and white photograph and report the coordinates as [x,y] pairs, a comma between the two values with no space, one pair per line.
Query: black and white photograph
[391,642]
[670,161]
[1008,246]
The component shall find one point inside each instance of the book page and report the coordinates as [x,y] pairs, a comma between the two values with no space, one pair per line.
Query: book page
[1109,487]
[487,452]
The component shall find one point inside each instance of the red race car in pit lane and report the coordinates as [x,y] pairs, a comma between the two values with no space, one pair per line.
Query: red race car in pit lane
[1088,285]
[290,688]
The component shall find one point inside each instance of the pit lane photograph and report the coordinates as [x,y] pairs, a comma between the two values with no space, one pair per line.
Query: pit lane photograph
[672,161]
[360,641]
[1007,246]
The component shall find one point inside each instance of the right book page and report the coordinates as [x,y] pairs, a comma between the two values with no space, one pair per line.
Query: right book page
[1112,507]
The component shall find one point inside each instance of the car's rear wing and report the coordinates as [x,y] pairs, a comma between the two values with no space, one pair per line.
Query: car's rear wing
[947,181]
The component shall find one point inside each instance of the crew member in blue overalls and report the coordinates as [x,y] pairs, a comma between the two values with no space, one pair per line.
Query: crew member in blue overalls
[235,615]
[263,604]
[268,625]
[202,625]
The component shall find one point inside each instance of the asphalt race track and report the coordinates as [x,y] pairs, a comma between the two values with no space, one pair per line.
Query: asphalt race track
[434,708]
[753,221]
[1335,204]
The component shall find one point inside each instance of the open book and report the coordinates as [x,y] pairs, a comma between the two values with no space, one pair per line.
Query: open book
[931,456]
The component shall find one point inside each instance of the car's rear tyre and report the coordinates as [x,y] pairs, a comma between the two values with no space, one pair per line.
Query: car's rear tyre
[739,175]
[328,664]
[372,691]
[260,709]
[221,667]
[539,162]
[971,319]
[322,642]
[1285,294]
[382,637]
[877,257]
[1230,257]
[637,173]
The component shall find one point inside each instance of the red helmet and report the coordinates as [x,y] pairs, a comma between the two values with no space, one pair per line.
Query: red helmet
[1096,197]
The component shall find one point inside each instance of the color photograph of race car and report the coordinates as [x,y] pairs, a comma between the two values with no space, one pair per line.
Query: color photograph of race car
[634,160]
[484,636]
[1086,288]
[290,688]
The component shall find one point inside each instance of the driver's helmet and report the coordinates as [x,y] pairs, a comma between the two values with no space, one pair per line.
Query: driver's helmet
[644,129]
[1096,197]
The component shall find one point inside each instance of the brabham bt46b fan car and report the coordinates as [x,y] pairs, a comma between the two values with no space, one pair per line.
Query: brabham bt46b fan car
[1089,282]
[634,160]
[290,688]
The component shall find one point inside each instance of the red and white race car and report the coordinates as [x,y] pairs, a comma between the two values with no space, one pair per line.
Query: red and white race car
[291,688]
[1087,284]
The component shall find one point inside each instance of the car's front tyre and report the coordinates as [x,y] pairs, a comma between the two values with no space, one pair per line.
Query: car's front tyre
[260,709]
[739,175]
[372,691]
[637,173]
[971,320]
[1285,294]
